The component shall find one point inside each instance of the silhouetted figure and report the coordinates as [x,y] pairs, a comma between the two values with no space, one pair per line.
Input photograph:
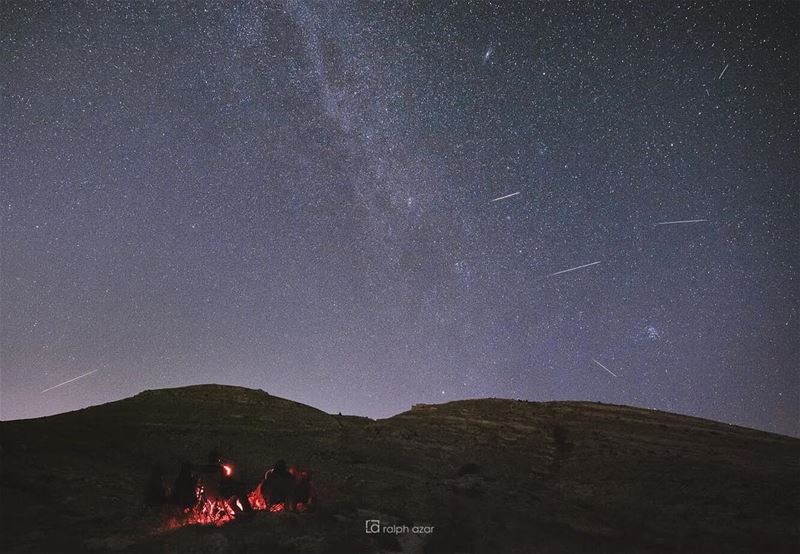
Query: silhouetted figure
[303,490]
[155,494]
[214,457]
[184,492]
[213,474]
[220,480]
[278,485]
[233,489]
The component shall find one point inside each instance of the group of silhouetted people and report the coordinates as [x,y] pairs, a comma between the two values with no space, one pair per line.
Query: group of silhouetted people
[282,486]
[287,486]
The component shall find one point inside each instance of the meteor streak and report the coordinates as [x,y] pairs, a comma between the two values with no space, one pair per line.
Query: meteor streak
[71,380]
[506,196]
[572,269]
[604,367]
[682,221]
[723,71]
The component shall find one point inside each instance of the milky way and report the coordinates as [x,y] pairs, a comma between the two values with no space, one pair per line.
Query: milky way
[362,206]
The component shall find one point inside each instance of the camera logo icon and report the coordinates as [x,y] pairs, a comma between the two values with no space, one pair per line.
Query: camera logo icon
[373,526]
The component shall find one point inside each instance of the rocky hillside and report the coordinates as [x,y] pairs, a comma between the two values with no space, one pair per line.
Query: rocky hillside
[488,475]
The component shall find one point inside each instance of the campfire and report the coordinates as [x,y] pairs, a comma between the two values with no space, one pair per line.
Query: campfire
[217,508]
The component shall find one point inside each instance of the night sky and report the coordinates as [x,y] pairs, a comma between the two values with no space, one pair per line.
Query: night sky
[302,197]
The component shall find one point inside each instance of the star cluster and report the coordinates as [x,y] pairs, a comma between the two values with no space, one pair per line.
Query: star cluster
[307,197]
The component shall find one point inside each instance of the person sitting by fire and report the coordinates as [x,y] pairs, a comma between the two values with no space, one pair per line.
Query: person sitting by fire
[213,472]
[223,483]
[303,491]
[184,491]
[278,485]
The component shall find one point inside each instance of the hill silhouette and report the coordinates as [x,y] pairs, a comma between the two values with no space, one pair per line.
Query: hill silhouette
[488,475]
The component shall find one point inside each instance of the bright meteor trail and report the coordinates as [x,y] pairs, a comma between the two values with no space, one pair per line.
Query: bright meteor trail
[506,196]
[285,200]
[71,380]
[572,269]
[604,367]
[682,221]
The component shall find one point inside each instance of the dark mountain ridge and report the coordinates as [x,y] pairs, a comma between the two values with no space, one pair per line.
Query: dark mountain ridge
[489,475]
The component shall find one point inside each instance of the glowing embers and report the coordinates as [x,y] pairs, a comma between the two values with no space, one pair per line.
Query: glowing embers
[209,510]
[256,499]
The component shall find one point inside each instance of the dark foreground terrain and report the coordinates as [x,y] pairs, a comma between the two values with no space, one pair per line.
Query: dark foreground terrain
[490,476]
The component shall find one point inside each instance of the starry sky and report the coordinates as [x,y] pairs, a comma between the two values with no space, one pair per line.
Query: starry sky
[306,197]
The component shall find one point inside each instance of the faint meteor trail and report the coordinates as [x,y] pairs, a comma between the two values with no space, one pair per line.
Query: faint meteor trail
[604,367]
[681,221]
[506,196]
[723,71]
[572,269]
[71,380]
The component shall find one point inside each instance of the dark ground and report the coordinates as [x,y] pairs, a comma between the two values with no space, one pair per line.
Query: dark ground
[490,475]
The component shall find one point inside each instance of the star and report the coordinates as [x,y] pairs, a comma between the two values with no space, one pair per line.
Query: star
[353,207]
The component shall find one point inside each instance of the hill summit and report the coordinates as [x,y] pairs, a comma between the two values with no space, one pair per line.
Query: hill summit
[486,475]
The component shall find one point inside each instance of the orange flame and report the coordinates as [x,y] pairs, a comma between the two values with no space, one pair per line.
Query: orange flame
[218,511]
